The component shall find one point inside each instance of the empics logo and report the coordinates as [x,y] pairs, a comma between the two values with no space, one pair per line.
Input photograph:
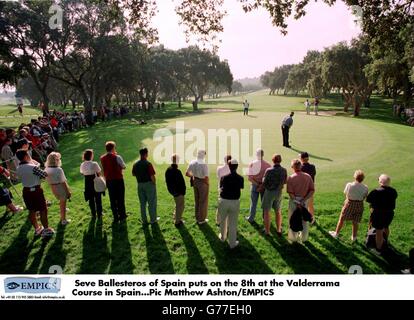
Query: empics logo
[32,285]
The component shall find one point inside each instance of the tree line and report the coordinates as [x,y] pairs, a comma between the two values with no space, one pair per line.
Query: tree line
[98,54]
[376,61]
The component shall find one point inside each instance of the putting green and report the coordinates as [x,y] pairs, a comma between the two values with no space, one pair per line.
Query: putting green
[337,145]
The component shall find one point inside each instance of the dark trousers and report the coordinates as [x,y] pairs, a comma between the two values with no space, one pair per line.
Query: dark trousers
[285,134]
[246,112]
[95,204]
[116,190]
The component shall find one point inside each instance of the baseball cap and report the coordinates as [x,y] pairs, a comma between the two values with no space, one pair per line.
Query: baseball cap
[233,161]
[22,142]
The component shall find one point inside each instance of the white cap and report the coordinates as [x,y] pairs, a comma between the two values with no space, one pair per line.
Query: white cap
[233,161]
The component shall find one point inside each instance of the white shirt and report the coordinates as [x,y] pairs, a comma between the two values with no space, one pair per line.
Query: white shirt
[88,168]
[55,175]
[25,172]
[222,171]
[356,191]
[198,168]
[246,105]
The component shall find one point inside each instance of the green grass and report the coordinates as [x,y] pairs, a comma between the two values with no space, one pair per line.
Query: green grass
[338,145]
[10,117]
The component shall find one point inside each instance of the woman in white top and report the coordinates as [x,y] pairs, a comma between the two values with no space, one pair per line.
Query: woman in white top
[90,169]
[58,183]
[353,208]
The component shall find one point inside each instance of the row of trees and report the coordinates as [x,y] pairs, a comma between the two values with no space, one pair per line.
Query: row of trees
[98,54]
[355,70]
[381,59]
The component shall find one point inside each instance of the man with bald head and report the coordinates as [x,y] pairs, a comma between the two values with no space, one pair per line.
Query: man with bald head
[382,201]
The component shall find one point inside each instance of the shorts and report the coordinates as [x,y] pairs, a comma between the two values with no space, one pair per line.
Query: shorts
[34,199]
[353,210]
[272,199]
[381,219]
[59,191]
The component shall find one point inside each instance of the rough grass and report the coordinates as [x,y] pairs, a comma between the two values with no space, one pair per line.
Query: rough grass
[338,145]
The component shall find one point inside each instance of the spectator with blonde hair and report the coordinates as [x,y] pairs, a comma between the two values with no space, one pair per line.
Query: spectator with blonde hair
[382,201]
[353,208]
[58,183]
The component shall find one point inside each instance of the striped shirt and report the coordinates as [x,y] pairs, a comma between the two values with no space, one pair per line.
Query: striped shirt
[30,174]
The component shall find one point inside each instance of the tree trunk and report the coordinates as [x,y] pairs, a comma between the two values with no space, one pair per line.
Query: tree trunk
[46,101]
[179,101]
[195,103]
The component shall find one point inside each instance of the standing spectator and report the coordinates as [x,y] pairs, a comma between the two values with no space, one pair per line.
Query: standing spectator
[144,172]
[6,198]
[307,106]
[222,171]
[7,156]
[287,123]
[90,169]
[255,175]
[273,182]
[229,204]
[113,165]
[300,188]
[95,115]
[316,105]
[353,208]
[310,169]
[30,174]
[382,201]
[246,106]
[176,187]
[58,183]
[198,173]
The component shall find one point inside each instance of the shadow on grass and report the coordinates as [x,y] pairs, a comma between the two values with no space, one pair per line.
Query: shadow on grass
[126,134]
[55,255]
[195,263]
[311,155]
[219,101]
[14,258]
[34,266]
[302,259]
[121,255]
[95,252]
[4,219]
[242,260]
[391,261]
[158,255]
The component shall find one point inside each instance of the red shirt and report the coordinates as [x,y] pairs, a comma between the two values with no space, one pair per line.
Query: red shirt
[112,169]
[53,123]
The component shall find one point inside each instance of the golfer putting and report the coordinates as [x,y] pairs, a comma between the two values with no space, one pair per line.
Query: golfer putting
[287,123]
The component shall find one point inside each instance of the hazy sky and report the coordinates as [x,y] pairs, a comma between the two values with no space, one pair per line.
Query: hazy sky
[252,45]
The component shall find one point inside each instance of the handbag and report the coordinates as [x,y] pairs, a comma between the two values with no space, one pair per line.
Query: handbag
[99,184]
